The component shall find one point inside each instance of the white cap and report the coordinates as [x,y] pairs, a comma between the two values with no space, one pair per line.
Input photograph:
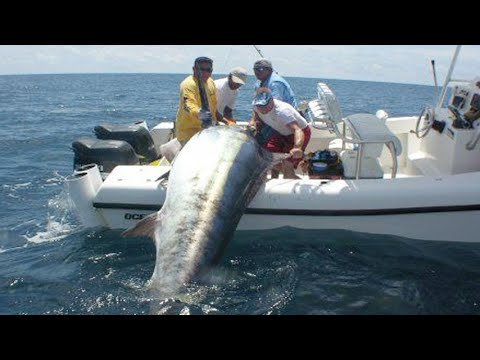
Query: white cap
[239,75]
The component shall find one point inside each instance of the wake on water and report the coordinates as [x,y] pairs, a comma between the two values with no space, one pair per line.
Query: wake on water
[60,221]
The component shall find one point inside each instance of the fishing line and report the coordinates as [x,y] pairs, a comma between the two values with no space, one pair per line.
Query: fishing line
[227,59]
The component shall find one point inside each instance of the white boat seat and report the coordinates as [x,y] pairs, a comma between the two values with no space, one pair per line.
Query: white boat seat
[325,112]
[370,169]
[374,132]
[318,110]
[370,134]
[329,99]
[369,150]
[338,146]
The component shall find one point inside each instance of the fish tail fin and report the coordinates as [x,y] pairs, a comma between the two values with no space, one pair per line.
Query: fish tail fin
[146,227]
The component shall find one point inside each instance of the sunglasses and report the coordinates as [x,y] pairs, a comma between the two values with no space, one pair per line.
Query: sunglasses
[260,69]
[206,69]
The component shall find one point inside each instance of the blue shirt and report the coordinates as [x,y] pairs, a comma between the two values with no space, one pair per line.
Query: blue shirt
[280,88]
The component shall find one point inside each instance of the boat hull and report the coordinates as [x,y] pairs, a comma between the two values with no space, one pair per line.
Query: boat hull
[419,208]
[445,226]
[439,226]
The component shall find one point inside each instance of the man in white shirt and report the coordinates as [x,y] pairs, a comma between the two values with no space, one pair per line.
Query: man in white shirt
[227,92]
[289,132]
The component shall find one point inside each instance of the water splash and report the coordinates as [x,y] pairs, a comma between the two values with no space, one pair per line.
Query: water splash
[54,231]
[60,220]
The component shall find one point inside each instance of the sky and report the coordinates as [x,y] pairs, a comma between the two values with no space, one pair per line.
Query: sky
[385,63]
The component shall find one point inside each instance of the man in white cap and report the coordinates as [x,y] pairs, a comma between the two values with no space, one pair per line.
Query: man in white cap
[227,92]
[290,131]
[280,90]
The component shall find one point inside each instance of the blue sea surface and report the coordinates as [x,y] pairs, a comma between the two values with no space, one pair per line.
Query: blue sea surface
[49,264]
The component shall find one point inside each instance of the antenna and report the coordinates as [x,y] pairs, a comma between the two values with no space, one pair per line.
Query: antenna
[435,80]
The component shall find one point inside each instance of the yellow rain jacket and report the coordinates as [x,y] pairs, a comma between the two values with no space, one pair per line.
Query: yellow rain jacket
[187,122]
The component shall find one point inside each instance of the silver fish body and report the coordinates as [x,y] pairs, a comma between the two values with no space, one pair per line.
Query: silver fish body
[212,181]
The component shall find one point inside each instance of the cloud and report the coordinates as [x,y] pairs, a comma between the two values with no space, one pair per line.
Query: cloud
[390,63]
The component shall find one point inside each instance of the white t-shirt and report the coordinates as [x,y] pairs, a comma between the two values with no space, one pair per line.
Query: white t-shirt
[225,95]
[281,115]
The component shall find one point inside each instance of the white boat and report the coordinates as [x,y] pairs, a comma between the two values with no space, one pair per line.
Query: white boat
[416,177]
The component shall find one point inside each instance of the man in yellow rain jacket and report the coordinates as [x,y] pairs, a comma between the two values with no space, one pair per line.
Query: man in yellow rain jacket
[191,118]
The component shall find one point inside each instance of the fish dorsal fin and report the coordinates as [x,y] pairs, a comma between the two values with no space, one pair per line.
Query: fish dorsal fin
[146,227]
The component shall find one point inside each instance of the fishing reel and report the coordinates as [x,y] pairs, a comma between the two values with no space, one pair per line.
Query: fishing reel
[205,117]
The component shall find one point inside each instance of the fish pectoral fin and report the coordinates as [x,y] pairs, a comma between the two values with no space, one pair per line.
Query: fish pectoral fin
[146,227]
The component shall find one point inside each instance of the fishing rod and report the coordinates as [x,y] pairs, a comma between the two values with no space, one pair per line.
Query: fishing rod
[203,95]
[203,98]
[258,50]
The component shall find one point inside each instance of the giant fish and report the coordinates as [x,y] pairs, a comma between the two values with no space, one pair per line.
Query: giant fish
[211,182]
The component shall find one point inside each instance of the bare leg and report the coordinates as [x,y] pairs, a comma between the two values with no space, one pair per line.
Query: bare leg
[276,171]
[289,171]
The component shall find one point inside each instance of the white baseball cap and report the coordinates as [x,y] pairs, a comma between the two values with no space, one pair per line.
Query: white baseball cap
[239,75]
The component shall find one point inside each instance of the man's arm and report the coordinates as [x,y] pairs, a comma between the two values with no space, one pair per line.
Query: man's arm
[252,123]
[228,113]
[278,90]
[190,102]
[253,119]
[299,138]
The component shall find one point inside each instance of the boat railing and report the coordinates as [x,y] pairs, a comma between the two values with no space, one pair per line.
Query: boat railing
[448,77]
[460,81]
[360,130]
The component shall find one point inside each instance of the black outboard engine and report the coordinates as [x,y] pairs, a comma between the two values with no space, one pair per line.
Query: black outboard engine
[105,153]
[136,135]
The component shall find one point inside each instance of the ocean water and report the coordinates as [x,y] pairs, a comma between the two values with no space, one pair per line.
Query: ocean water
[49,264]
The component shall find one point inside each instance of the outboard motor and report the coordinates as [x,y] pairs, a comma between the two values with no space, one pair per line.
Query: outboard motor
[136,135]
[105,153]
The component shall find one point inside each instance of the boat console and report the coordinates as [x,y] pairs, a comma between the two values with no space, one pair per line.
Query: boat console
[454,147]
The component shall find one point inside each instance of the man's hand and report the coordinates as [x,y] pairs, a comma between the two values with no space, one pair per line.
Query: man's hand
[252,129]
[227,121]
[296,153]
[205,117]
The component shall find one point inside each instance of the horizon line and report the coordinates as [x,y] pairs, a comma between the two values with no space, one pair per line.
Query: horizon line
[154,73]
